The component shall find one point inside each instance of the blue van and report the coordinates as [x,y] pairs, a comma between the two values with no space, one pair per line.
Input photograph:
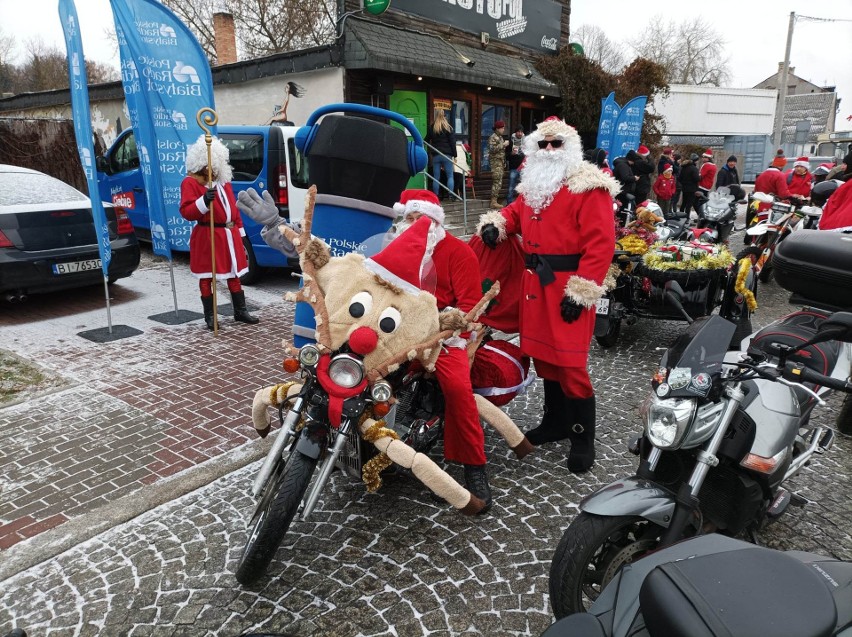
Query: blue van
[262,157]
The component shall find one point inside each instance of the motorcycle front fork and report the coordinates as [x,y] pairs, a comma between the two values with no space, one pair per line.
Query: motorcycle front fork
[326,468]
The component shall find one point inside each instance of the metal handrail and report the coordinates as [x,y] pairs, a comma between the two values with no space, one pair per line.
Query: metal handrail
[427,171]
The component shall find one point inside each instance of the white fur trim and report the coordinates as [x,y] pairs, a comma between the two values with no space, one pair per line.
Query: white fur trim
[583,291]
[589,177]
[390,277]
[494,218]
[418,205]
[399,208]
[196,159]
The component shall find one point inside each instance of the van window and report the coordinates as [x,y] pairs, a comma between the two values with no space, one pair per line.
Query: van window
[245,154]
[298,166]
[125,157]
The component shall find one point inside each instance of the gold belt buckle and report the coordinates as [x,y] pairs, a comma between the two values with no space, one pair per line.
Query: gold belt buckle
[229,225]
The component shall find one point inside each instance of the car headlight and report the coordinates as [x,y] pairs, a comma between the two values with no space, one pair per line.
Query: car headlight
[667,420]
[381,391]
[309,355]
[346,371]
[714,214]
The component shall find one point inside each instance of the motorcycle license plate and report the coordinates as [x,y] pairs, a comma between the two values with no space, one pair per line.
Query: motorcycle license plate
[77,266]
[602,306]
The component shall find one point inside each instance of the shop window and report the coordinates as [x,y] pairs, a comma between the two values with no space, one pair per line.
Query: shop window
[490,114]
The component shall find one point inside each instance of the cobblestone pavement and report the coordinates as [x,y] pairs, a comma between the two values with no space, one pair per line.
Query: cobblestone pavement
[390,563]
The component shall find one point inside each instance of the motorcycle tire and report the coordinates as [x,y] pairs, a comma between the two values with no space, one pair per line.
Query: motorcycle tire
[844,418]
[612,333]
[281,499]
[591,551]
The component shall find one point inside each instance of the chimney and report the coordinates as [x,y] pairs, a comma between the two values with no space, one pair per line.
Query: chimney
[225,39]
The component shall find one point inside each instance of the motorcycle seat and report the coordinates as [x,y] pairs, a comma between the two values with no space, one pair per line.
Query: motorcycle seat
[795,329]
[753,591]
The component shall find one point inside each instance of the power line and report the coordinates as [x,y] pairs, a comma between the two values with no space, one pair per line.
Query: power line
[813,19]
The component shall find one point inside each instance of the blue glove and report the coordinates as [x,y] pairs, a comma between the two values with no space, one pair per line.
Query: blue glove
[209,196]
[490,235]
[570,310]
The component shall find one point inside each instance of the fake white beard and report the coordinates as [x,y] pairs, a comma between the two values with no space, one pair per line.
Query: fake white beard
[543,174]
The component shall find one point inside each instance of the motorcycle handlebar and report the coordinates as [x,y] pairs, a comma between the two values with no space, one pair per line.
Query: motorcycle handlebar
[798,373]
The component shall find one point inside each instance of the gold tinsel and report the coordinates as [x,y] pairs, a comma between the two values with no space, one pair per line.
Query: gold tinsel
[710,262]
[273,399]
[632,243]
[740,288]
[372,470]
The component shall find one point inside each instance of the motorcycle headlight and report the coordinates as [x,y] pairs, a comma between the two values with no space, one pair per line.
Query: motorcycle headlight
[667,420]
[714,214]
[309,355]
[381,391]
[346,371]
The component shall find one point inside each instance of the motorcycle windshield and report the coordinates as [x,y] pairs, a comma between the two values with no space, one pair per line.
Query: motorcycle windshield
[694,360]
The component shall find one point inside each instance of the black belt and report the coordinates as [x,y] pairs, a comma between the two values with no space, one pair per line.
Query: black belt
[230,224]
[545,265]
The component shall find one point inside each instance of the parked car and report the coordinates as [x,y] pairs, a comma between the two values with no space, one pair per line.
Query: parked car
[48,240]
[262,157]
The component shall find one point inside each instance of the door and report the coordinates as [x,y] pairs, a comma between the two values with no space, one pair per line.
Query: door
[411,105]
[120,181]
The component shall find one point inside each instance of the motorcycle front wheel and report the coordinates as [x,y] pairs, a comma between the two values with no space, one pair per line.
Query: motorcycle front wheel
[610,337]
[590,553]
[279,503]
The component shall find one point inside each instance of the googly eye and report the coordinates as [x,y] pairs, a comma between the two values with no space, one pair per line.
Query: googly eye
[360,304]
[389,320]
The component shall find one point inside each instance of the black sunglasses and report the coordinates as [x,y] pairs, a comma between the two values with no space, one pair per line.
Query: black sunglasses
[556,143]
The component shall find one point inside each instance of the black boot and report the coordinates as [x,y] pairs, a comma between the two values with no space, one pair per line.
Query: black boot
[207,302]
[552,427]
[582,435]
[476,481]
[240,312]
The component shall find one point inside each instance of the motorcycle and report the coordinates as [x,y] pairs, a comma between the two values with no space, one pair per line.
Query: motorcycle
[716,219]
[770,226]
[716,585]
[723,432]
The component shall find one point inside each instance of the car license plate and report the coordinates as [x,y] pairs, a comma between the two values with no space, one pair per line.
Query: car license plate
[77,266]
[602,306]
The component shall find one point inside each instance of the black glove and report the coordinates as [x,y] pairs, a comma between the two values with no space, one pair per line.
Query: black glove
[490,235]
[570,310]
[209,196]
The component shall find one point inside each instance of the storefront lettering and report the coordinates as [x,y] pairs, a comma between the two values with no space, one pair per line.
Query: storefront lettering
[548,43]
[496,9]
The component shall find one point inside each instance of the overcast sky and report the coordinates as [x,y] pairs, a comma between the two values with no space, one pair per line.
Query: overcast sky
[755,33]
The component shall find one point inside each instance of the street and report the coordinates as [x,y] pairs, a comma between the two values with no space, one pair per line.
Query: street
[125,491]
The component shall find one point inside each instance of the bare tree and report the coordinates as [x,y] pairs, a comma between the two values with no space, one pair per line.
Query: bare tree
[691,51]
[8,72]
[263,27]
[599,48]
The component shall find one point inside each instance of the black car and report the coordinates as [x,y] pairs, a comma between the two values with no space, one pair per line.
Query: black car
[48,240]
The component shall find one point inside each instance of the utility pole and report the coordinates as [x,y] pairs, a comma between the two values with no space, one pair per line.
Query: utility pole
[782,89]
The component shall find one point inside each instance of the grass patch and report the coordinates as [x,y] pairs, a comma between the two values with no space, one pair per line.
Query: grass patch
[20,379]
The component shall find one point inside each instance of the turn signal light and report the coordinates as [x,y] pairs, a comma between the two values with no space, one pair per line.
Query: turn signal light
[759,463]
[291,365]
[380,410]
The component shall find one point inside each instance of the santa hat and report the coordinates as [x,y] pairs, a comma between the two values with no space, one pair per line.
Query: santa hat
[196,159]
[404,261]
[668,168]
[708,154]
[667,150]
[802,161]
[423,201]
[643,150]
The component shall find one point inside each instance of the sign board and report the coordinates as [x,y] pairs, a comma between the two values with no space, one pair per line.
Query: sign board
[531,24]
[446,105]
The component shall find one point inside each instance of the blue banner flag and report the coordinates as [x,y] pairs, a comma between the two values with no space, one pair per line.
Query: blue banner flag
[606,126]
[167,80]
[628,128]
[79,86]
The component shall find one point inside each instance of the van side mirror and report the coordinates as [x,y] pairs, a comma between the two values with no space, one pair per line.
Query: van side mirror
[102,164]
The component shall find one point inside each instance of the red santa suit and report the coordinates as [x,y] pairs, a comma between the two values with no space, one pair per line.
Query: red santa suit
[228,230]
[457,285]
[837,214]
[772,182]
[707,175]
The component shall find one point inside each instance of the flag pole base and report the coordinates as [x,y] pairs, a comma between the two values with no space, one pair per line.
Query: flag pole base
[109,334]
[176,317]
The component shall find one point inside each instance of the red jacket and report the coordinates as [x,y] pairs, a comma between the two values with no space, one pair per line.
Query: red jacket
[459,284]
[707,175]
[800,184]
[664,187]
[230,255]
[837,213]
[772,182]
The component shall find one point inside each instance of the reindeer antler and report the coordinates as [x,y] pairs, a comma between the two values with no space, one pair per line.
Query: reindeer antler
[426,349]
[313,254]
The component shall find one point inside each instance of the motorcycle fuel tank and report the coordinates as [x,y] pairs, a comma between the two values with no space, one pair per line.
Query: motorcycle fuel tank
[775,411]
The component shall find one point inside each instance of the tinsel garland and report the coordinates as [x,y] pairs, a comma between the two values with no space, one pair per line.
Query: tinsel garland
[273,399]
[632,243]
[740,288]
[708,262]
[370,474]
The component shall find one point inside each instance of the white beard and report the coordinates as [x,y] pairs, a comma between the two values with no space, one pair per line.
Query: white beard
[543,174]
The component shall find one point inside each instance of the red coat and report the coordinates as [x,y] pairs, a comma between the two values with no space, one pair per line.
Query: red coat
[230,255]
[800,184]
[572,224]
[707,175]
[664,188]
[837,213]
[459,284]
[772,182]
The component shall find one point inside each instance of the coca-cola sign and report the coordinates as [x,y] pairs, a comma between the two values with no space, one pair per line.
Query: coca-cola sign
[533,24]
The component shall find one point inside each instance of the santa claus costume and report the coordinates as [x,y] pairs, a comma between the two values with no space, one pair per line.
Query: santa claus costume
[453,277]
[564,217]
[196,201]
